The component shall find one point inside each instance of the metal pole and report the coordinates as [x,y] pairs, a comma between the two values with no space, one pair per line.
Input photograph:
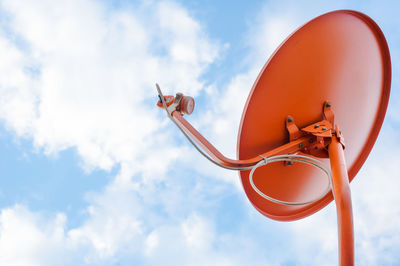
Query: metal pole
[342,195]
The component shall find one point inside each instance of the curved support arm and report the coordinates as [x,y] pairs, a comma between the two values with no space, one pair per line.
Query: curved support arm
[342,195]
[212,153]
[220,159]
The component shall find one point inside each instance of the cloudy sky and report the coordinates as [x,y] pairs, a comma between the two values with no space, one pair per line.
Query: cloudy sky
[93,173]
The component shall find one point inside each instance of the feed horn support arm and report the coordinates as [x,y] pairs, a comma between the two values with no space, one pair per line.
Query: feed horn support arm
[287,148]
[211,152]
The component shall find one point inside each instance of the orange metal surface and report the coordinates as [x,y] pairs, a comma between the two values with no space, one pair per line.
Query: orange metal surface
[341,192]
[290,147]
[341,57]
[168,101]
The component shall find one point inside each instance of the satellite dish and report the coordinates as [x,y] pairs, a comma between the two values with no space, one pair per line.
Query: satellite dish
[328,82]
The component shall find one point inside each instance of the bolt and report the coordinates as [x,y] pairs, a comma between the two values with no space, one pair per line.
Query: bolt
[323,128]
[290,119]
[316,126]
[328,105]
[311,140]
[300,145]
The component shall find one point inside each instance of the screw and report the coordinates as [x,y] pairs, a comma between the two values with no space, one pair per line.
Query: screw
[316,126]
[323,128]
[290,119]
[289,163]
[311,140]
[328,105]
[300,145]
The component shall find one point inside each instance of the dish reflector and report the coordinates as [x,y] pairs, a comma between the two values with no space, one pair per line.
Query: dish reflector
[341,57]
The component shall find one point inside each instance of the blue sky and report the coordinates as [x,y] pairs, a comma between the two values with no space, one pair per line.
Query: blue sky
[93,173]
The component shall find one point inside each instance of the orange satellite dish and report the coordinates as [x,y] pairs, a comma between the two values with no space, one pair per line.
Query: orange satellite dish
[328,83]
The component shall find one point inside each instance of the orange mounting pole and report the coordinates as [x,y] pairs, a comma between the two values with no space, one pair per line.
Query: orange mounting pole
[342,195]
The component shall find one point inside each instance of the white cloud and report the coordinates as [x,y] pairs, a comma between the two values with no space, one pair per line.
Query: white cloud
[79,74]
[198,233]
[94,71]
[114,224]
[114,232]
[28,239]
